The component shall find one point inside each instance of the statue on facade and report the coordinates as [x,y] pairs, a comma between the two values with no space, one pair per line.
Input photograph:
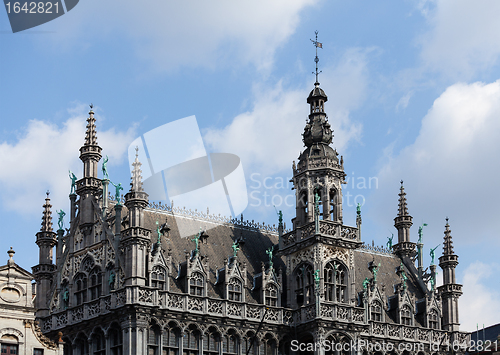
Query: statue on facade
[73,182]
[236,247]
[316,205]
[111,280]
[433,254]
[61,215]
[420,232]
[366,282]
[158,231]
[196,239]
[375,272]
[105,168]
[358,208]
[270,253]
[118,188]
[389,242]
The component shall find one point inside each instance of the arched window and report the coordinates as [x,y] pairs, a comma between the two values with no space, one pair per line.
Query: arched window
[338,345]
[98,343]
[115,340]
[211,341]
[9,344]
[234,290]
[171,341]
[230,344]
[196,282]
[81,346]
[158,278]
[433,319]
[376,311]
[304,284]
[154,340]
[271,295]
[335,280]
[81,288]
[250,345]
[268,346]
[191,342]
[95,283]
[406,315]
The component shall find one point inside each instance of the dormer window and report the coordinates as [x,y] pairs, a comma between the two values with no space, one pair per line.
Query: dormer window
[234,290]
[158,277]
[271,295]
[376,311]
[196,282]
[433,319]
[406,317]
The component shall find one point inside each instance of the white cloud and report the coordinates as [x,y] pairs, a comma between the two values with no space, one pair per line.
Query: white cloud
[40,159]
[463,38]
[268,137]
[479,304]
[451,168]
[188,33]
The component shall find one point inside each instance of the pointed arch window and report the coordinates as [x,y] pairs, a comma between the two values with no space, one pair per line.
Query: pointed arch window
[98,343]
[171,341]
[230,345]
[304,284]
[154,340]
[302,205]
[376,311]
[433,319]
[211,342]
[81,288]
[95,283]
[406,317]
[234,290]
[158,278]
[190,342]
[196,284]
[115,340]
[271,295]
[335,280]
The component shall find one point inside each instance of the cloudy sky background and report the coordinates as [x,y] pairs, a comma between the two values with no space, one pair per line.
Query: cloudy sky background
[413,88]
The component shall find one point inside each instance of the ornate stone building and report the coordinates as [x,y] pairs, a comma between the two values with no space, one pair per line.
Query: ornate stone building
[120,284]
[19,332]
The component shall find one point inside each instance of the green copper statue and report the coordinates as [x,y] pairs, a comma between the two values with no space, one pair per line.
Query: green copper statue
[270,253]
[433,254]
[111,280]
[420,232]
[196,239]
[105,168]
[280,217]
[366,282]
[118,188]
[405,278]
[316,277]
[316,204]
[60,220]
[73,182]
[389,242]
[358,208]
[236,247]
[158,232]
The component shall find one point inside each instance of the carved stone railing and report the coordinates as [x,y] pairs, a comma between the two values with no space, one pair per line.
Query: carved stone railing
[375,248]
[315,163]
[328,228]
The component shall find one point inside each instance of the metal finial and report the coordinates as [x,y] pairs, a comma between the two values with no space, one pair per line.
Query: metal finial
[91,106]
[48,193]
[136,151]
[401,182]
[316,59]
[446,219]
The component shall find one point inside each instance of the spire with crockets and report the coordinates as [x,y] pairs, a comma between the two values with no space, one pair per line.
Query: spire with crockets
[47,216]
[136,183]
[450,291]
[403,222]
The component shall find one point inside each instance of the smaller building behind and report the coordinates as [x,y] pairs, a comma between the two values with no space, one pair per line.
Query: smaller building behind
[19,333]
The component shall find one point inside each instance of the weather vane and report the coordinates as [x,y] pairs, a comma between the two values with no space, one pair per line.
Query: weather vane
[316,59]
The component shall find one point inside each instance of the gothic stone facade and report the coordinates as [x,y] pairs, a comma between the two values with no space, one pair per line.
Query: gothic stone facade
[120,285]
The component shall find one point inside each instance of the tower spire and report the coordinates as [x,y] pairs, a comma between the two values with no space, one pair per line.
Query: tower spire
[402,206]
[90,135]
[316,59]
[450,291]
[47,215]
[136,183]
[403,222]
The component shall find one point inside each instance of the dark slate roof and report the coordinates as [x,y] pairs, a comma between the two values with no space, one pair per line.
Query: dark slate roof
[216,248]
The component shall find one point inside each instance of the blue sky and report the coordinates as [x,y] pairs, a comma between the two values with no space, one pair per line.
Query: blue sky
[413,94]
